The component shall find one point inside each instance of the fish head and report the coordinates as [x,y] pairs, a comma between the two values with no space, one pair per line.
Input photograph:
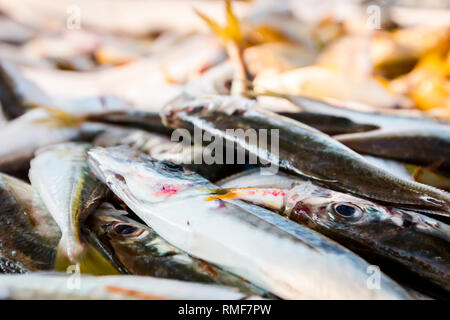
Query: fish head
[334,210]
[178,112]
[361,222]
[119,233]
[146,178]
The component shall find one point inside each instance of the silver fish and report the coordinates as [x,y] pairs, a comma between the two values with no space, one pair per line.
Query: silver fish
[143,252]
[60,286]
[28,234]
[303,150]
[282,257]
[61,176]
[415,244]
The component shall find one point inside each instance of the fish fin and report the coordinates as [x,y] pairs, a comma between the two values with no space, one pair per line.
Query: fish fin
[88,261]
[59,117]
[232,29]
[220,194]
[267,197]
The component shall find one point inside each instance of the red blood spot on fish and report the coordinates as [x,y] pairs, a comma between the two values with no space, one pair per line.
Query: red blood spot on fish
[167,190]
[300,209]
[204,68]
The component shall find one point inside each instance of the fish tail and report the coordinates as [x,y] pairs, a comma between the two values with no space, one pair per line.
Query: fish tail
[59,117]
[85,259]
[231,31]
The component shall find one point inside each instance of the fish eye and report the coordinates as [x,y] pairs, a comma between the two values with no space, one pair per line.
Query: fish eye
[127,230]
[172,166]
[347,211]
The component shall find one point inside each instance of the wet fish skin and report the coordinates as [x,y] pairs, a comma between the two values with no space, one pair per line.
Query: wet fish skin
[303,151]
[143,252]
[144,141]
[413,243]
[61,286]
[329,124]
[17,92]
[230,234]
[38,128]
[28,234]
[146,120]
[70,192]
[381,120]
[424,146]
[151,121]
[162,147]
[25,134]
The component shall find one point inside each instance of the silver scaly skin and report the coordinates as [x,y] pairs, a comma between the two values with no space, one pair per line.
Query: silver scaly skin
[270,251]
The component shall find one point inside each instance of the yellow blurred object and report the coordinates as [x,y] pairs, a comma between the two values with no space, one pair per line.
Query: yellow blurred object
[280,56]
[231,31]
[326,82]
[429,84]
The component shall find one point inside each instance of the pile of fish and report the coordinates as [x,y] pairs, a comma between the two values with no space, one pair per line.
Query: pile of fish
[343,193]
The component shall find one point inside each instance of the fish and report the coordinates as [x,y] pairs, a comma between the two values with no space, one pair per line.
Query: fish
[162,147]
[270,251]
[70,192]
[28,234]
[416,244]
[144,141]
[17,92]
[320,82]
[425,175]
[148,83]
[150,121]
[138,119]
[429,146]
[300,150]
[45,125]
[61,286]
[329,124]
[385,120]
[143,252]
[24,135]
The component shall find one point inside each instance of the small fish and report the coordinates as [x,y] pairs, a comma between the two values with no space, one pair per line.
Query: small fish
[270,251]
[427,146]
[28,234]
[303,151]
[416,244]
[44,126]
[144,141]
[60,286]
[138,119]
[329,124]
[162,147]
[16,92]
[143,252]
[61,176]
[383,120]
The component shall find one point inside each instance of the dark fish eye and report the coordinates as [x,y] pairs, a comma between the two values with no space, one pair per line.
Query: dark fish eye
[127,230]
[347,211]
[172,166]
